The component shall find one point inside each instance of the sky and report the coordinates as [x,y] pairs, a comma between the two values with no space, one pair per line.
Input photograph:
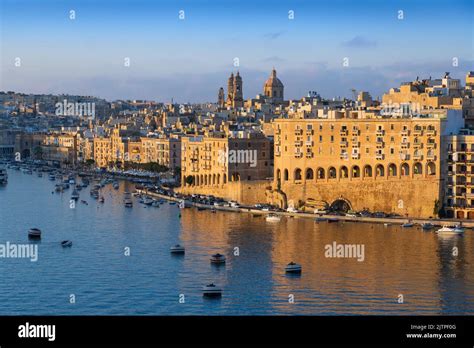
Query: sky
[189,59]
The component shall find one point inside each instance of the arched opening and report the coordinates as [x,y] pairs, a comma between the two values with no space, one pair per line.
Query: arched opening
[278,174]
[367,171]
[224,179]
[309,174]
[340,205]
[321,174]
[380,170]
[431,168]
[297,174]
[332,173]
[355,172]
[235,177]
[417,168]
[392,170]
[405,169]
[285,176]
[344,172]
[218,179]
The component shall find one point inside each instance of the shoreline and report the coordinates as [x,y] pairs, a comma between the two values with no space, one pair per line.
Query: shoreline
[250,210]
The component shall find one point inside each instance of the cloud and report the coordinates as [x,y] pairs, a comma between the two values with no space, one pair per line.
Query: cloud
[359,42]
[273,59]
[274,35]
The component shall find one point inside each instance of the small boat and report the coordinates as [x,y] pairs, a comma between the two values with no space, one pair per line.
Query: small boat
[127,200]
[116,185]
[34,233]
[66,243]
[320,219]
[147,201]
[386,224]
[213,210]
[427,226]
[201,208]
[72,182]
[293,268]
[51,177]
[84,202]
[407,224]
[446,230]
[211,290]
[172,203]
[333,220]
[273,218]
[58,188]
[217,258]
[177,249]
[75,195]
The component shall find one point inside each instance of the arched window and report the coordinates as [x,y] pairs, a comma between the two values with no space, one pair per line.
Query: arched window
[321,173]
[218,179]
[431,168]
[297,174]
[356,172]
[224,179]
[309,174]
[285,175]
[344,173]
[380,170]
[332,173]
[417,168]
[278,174]
[392,170]
[405,169]
[367,171]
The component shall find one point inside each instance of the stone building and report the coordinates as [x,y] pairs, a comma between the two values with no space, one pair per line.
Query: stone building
[381,164]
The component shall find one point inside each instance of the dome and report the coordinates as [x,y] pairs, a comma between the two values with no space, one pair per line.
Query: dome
[273,80]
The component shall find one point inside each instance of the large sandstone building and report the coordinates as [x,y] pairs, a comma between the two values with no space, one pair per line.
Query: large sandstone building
[363,161]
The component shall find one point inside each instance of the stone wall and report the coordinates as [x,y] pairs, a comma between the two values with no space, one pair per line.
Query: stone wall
[244,192]
[413,197]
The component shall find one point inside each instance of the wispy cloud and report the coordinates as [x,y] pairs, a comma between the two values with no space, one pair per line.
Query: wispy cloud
[273,59]
[359,42]
[274,35]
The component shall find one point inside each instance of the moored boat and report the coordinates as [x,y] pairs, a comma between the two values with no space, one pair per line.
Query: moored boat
[447,230]
[34,233]
[293,268]
[217,258]
[211,290]
[66,243]
[273,218]
[177,249]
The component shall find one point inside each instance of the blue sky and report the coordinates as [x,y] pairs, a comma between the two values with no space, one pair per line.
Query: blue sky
[189,59]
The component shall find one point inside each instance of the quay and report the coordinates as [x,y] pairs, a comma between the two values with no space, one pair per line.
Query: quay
[251,210]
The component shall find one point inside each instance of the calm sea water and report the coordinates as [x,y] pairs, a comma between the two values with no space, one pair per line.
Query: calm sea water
[419,265]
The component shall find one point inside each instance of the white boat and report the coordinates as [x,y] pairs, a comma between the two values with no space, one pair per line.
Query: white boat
[3,176]
[177,249]
[293,268]
[407,224]
[127,200]
[116,185]
[218,258]
[273,218]
[447,230]
[211,290]
[34,233]
[147,201]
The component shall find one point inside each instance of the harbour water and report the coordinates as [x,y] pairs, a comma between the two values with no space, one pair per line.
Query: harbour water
[421,266]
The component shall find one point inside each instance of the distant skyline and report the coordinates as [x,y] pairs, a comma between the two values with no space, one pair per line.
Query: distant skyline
[189,59]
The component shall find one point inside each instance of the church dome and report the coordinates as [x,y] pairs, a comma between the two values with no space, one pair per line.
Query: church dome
[273,80]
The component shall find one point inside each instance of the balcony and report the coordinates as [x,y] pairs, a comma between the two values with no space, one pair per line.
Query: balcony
[309,132]
[298,155]
[380,132]
[277,153]
[431,145]
[278,131]
[343,143]
[298,132]
[404,156]
[431,157]
[343,132]
[309,143]
[418,131]
[309,155]
[405,132]
[417,157]
[355,143]
[355,132]
[431,132]
[379,156]
[298,143]
[355,156]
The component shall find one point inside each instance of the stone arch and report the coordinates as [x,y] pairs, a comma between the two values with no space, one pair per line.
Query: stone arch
[341,204]
[405,169]
[380,170]
[417,168]
[297,174]
[332,173]
[431,168]
[355,172]
[392,170]
[343,172]
[309,174]
[368,171]
[321,173]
